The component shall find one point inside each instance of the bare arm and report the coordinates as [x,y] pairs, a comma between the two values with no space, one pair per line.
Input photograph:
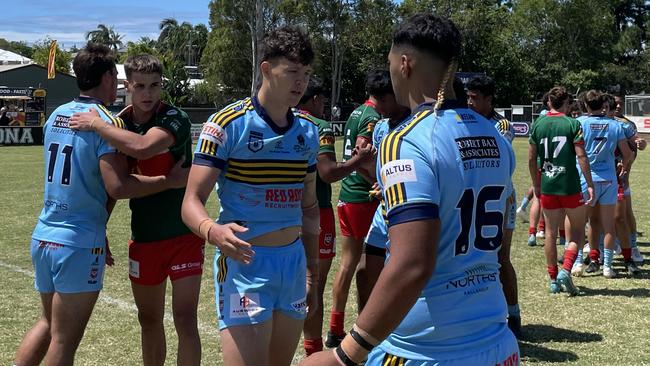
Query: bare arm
[331,171]
[120,184]
[199,185]
[581,155]
[532,169]
[141,147]
[628,156]
[310,225]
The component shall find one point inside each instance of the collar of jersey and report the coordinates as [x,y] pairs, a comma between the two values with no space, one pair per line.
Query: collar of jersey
[447,104]
[262,113]
[89,100]
[555,114]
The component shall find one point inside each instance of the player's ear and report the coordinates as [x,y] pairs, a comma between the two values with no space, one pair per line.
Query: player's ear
[405,65]
[265,68]
[126,84]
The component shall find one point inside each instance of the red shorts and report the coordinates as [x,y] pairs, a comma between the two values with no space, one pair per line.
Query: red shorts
[327,237]
[150,263]
[355,218]
[555,201]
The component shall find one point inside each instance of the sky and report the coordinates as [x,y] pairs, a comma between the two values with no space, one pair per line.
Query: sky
[67,21]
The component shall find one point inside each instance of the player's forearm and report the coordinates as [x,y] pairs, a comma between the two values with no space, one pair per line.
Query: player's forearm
[193,212]
[586,171]
[136,186]
[127,142]
[400,284]
[532,170]
[330,171]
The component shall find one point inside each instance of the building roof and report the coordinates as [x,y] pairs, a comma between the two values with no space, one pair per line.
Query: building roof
[4,68]
[8,57]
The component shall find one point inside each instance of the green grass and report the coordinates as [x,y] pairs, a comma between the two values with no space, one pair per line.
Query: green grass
[606,325]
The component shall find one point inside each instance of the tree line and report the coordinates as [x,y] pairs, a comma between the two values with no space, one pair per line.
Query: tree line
[527,46]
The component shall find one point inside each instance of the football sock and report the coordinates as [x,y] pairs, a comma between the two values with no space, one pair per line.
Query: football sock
[570,256]
[313,346]
[336,323]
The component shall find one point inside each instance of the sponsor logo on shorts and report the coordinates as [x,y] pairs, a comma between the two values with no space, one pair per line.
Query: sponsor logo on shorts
[328,239]
[300,306]
[49,245]
[214,133]
[512,360]
[398,171]
[245,306]
[94,271]
[186,266]
[134,268]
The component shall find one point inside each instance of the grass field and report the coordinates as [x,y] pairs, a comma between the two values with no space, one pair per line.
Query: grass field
[608,324]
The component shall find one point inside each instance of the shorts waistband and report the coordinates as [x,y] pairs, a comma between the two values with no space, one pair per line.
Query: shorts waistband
[283,249]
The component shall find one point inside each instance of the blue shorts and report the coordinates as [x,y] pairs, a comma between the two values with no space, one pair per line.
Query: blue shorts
[511,204]
[378,233]
[503,353]
[275,280]
[67,269]
[605,193]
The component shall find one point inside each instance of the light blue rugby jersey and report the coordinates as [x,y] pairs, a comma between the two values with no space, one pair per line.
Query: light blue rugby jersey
[263,167]
[74,200]
[505,128]
[455,167]
[601,135]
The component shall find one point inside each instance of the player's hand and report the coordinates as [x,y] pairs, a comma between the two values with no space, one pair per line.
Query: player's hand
[590,191]
[366,152]
[323,358]
[641,144]
[224,238]
[110,261]
[177,177]
[375,192]
[82,121]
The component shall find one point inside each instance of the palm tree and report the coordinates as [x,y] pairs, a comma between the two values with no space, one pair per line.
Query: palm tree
[100,35]
[107,36]
[183,42]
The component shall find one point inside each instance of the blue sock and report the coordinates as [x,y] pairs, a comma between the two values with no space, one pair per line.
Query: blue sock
[513,310]
[524,203]
[578,258]
[609,255]
[633,243]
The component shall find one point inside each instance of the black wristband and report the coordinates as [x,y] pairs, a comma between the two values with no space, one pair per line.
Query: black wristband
[346,360]
[360,341]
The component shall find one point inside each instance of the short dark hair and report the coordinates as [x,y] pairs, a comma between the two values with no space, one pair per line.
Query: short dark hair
[430,33]
[378,83]
[314,88]
[459,90]
[610,100]
[545,99]
[557,96]
[91,63]
[144,63]
[594,100]
[289,42]
[482,84]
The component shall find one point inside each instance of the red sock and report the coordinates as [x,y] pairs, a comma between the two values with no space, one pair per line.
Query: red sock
[542,225]
[627,254]
[552,272]
[562,233]
[313,346]
[594,255]
[569,258]
[336,323]
[532,230]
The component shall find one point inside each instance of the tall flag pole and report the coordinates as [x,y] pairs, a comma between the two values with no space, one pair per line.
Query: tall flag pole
[51,71]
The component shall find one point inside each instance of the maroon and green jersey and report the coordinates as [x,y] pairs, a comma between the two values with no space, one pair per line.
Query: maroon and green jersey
[354,188]
[554,135]
[158,216]
[326,146]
